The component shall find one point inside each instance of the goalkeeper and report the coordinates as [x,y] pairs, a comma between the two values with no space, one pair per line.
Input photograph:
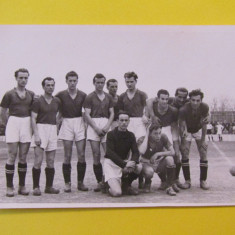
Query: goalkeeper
[119,171]
[157,156]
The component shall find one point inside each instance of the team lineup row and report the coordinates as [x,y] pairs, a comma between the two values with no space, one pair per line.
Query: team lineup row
[140,136]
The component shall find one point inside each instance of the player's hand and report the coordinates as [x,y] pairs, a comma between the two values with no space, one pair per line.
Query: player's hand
[203,144]
[184,134]
[131,164]
[99,132]
[37,140]
[206,120]
[154,158]
[156,120]
[2,129]
[105,129]
[146,120]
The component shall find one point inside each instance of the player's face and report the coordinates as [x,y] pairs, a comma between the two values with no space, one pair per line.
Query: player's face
[181,97]
[99,84]
[130,83]
[163,100]
[123,122]
[155,135]
[195,101]
[72,82]
[22,79]
[49,87]
[112,88]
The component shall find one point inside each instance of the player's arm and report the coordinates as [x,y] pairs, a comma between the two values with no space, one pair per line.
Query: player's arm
[35,128]
[92,123]
[110,120]
[3,116]
[110,151]
[149,111]
[175,137]
[134,150]
[169,152]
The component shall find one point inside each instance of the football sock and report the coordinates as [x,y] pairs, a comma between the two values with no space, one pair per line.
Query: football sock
[36,177]
[9,174]
[81,170]
[162,176]
[50,172]
[170,173]
[66,172]
[131,177]
[177,170]
[98,172]
[203,169]
[22,169]
[186,169]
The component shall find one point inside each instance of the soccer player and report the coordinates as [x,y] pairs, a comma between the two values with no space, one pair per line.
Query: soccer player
[120,172]
[112,87]
[177,102]
[15,115]
[157,156]
[44,121]
[73,130]
[220,129]
[209,131]
[168,118]
[192,125]
[133,101]
[99,115]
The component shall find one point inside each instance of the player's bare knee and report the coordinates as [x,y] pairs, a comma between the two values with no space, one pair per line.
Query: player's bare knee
[169,161]
[115,192]
[81,157]
[67,160]
[148,173]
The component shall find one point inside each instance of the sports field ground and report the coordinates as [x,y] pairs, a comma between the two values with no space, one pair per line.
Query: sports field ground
[221,156]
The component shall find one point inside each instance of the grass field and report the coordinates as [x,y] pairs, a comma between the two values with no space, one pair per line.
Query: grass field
[220,155]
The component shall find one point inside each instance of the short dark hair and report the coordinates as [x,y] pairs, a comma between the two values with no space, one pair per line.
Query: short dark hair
[71,74]
[181,89]
[47,79]
[154,126]
[162,91]
[21,70]
[110,80]
[123,112]
[131,75]
[99,75]
[196,92]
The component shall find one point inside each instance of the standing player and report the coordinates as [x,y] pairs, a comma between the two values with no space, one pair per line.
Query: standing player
[119,172]
[99,116]
[220,129]
[209,131]
[192,125]
[157,156]
[112,86]
[73,129]
[44,113]
[15,112]
[168,119]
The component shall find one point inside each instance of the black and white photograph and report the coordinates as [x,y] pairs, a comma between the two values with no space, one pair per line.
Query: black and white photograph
[117,116]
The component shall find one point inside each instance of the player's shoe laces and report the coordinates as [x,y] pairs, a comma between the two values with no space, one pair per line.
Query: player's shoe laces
[163,186]
[99,187]
[51,190]
[130,191]
[82,187]
[10,192]
[186,185]
[170,191]
[67,187]
[204,185]
[37,192]
[175,188]
[23,191]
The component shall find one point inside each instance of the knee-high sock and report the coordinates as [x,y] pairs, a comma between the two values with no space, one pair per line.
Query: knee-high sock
[50,172]
[162,176]
[9,174]
[98,170]
[186,169]
[203,169]
[36,177]
[22,170]
[170,175]
[81,170]
[66,172]
[177,170]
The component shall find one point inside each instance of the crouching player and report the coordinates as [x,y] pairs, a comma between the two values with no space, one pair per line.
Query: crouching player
[157,156]
[120,172]
[44,112]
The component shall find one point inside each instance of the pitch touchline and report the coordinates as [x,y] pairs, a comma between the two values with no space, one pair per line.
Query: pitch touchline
[222,154]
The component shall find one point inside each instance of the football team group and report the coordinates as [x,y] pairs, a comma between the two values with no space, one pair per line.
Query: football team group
[139,136]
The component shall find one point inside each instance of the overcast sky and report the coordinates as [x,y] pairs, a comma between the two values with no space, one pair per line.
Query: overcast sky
[162,56]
